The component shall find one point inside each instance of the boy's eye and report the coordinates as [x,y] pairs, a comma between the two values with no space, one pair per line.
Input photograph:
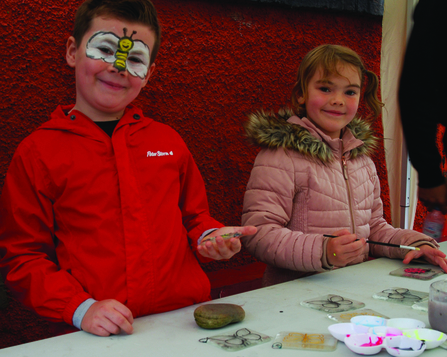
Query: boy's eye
[135,60]
[106,50]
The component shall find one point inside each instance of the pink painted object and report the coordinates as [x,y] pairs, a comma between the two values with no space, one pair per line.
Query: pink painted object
[378,342]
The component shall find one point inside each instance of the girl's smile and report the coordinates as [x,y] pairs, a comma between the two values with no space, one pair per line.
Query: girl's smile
[333,112]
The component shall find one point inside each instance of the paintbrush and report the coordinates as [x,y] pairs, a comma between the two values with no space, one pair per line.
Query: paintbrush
[380,243]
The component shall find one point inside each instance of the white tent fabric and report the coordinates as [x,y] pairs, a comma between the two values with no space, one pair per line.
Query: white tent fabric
[402,178]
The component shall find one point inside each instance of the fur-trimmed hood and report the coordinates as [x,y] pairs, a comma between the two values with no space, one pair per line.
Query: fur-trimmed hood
[273,131]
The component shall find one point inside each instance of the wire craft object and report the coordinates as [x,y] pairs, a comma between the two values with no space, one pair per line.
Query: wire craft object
[242,338]
[418,272]
[401,295]
[304,341]
[333,303]
[300,339]
[347,316]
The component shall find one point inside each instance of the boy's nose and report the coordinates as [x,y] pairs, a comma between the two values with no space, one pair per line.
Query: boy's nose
[112,68]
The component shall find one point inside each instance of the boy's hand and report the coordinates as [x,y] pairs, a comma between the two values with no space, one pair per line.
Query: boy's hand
[107,317]
[344,249]
[224,242]
[430,254]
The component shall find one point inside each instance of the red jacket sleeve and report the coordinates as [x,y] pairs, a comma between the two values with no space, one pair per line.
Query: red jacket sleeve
[194,203]
[28,244]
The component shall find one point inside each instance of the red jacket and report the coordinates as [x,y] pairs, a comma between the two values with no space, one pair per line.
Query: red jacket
[85,215]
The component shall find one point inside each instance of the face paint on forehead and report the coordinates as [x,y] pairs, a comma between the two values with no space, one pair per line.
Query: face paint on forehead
[124,52]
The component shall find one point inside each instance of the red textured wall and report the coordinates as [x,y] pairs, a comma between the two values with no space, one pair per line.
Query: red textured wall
[219,60]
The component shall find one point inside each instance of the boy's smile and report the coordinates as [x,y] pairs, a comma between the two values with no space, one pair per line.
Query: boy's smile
[332,102]
[103,87]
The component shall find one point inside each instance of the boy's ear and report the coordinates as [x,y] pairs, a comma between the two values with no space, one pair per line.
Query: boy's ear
[70,55]
[148,75]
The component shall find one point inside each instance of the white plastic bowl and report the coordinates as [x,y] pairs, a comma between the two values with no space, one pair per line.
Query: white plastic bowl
[364,343]
[404,346]
[405,323]
[368,320]
[384,331]
[432,338]
[340,331]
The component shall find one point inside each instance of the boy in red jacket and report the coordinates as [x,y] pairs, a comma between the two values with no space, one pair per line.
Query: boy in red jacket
[103,208]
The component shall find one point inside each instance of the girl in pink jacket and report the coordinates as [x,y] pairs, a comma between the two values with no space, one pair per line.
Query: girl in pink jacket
[314,176]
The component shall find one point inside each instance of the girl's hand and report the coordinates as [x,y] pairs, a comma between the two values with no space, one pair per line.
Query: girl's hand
[224,242]
[432,255]
[345,248]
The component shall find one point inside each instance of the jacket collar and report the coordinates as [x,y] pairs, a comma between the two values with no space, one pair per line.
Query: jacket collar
[284,130]
[66,119]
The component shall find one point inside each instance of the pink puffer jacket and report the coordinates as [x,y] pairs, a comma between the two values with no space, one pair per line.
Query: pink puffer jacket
[305,184]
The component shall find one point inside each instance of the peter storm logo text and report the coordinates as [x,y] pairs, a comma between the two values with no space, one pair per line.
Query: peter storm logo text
[159,153]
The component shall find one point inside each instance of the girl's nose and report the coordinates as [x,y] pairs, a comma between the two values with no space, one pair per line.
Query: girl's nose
[337,99]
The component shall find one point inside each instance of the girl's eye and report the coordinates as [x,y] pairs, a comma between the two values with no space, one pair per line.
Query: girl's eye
[351,92]
[324,89]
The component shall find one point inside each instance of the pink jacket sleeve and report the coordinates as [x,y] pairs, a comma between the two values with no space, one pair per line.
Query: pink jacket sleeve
[381,231]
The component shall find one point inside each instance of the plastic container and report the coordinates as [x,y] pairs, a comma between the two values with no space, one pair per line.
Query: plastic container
[434,225]
[340,331]
[432,338]
[437,306]
[364,343]
[403,346]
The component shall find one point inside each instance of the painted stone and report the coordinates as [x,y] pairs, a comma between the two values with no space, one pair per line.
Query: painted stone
[212,316]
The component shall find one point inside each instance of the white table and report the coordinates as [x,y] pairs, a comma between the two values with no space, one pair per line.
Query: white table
[268,310]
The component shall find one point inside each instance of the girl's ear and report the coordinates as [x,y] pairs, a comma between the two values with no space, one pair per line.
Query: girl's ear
[70,54]
[301,100]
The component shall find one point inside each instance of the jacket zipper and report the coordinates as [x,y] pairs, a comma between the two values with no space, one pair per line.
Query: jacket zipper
[345,175]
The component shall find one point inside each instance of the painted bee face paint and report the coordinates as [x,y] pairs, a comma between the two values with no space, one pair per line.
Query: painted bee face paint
[124,52]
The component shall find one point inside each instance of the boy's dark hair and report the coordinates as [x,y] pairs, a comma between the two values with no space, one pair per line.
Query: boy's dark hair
[139,11]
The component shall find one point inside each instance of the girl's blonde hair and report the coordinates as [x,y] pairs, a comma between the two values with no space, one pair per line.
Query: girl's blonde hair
[328,58]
